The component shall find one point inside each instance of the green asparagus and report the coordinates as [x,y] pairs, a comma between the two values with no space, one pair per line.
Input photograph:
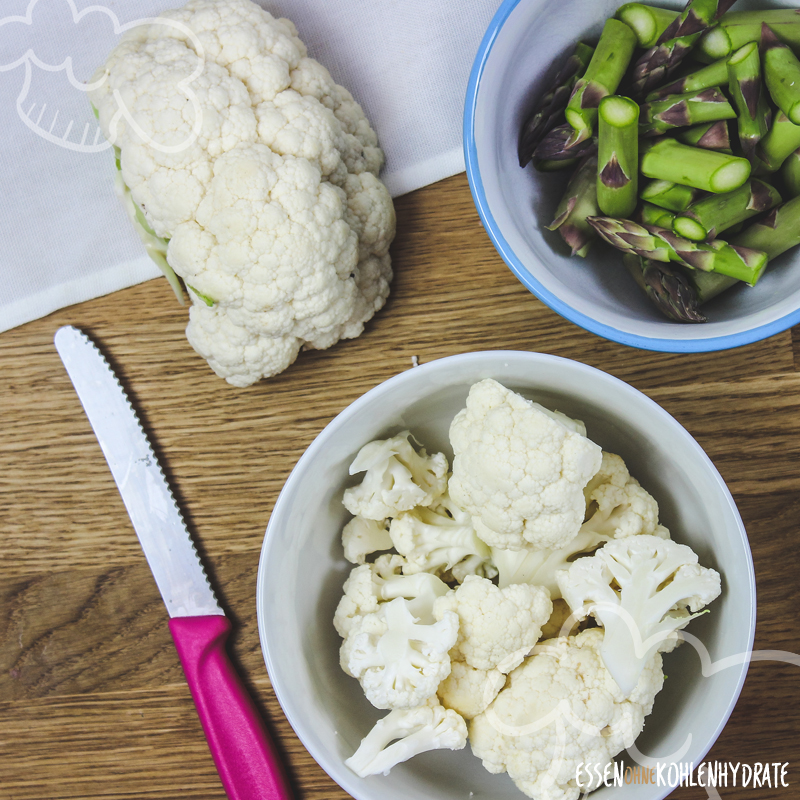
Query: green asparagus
[715,74]
[618,156]
[707,285]
[660,244]
[708,218]
[675,43]
[782,139]
[560,144]
[711,136]
[578,203]
[553,166]
[778,232]
[602,77]
[708,170]
[650,214]
[547,111]
[782,75]
[669,195]
[682,110]
[647,22]
[669,289]
[744,86]
[739,27]
[790,172]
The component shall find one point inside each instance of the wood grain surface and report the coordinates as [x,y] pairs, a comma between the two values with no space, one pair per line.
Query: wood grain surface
[92,698]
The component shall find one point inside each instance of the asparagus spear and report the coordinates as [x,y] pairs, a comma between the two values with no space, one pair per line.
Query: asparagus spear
[744,264]
[560,144]
[782,75]
[669,289]
[578,203]
[776,233]
[650,214]
[669,195]
[712,215]
[708,285]
[675,42]
[681,110]
[647,22]
[739,27]
[780,142]
[744,86]
[554,166]
[709,170]
[790,172]
[618,156]
[630,237]
[715,74]
[547,111]
[602,77]
[711,136]
[660,244]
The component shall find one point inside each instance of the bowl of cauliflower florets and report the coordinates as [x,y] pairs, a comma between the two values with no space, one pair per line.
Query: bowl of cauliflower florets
[479,575]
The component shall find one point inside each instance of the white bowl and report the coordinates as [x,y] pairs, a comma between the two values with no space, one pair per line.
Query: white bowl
[516,58]
[302,567]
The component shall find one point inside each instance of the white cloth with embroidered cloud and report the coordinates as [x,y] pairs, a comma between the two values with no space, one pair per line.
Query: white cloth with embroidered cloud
[66,237]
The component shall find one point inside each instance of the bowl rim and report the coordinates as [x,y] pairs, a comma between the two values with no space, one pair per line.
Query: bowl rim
[666,345]
[333,766]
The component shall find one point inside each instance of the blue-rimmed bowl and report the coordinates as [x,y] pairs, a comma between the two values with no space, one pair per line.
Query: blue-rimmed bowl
[525,43]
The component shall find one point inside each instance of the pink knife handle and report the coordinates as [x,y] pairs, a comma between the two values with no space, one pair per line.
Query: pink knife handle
[240,744]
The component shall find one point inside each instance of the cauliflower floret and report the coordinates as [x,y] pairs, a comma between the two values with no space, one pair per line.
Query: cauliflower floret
[369,585]
[258,174]
[518,471]
[540,567]
[404,733]
[497,627]
[562,621]
[362,537]
[398,478]
[560,709]
[399,661]
[641,589]
[440,539]
[469,691]
[617,505]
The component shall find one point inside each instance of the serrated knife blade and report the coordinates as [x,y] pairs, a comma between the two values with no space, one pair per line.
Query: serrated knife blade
[240,744]
[158,522]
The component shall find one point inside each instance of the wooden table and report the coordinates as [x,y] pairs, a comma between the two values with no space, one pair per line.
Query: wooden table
[92,698]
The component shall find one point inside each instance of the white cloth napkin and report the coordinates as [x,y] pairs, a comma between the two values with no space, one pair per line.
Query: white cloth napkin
[64,236]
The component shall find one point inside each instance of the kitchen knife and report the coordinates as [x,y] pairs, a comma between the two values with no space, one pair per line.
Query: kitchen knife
[240,745]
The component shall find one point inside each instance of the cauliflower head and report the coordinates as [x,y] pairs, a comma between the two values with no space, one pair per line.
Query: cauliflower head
[259,173]
[559,709]
[641,589]
[497,627]
[520,472]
